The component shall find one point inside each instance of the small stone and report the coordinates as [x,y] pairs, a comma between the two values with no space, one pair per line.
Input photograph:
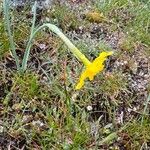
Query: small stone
[38,123]
[89,108]
[125,62]
[1,129]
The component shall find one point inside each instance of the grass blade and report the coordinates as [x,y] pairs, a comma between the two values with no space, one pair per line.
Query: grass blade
[145,108]
[29,44]
[7,22]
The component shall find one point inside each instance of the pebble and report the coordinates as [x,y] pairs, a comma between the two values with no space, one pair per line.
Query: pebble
[89,108]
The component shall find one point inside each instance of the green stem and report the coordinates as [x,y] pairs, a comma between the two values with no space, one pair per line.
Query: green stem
[56,30]
[28,47]
[72,48]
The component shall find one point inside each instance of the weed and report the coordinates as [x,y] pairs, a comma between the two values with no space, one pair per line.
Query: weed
[137,134]
[113,83]
[4,41]
[104,46]
[127,44]
[132,17]
[26,85]
[64,17]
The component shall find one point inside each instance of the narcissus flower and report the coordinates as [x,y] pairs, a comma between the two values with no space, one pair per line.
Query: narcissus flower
[93,68]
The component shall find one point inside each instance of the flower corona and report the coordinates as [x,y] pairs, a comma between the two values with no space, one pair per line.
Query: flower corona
[93,68]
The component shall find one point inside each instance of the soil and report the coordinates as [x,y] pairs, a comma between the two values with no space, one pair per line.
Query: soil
[135,67]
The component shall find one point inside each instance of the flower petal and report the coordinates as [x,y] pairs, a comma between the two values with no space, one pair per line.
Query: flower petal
[81,81]
[92,69]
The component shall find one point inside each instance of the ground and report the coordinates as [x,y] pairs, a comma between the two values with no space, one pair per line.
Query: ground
[40,108]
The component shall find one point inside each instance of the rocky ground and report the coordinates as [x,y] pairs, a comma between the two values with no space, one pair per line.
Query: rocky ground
[42,110]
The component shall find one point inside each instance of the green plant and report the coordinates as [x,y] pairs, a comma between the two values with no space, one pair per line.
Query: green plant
[8,23]
[27,85]
[4,41]
[113,84]
[137,134]
[92,67]
[64,17]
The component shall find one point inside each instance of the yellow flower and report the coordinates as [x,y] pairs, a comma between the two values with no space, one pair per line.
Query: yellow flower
[93,68]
